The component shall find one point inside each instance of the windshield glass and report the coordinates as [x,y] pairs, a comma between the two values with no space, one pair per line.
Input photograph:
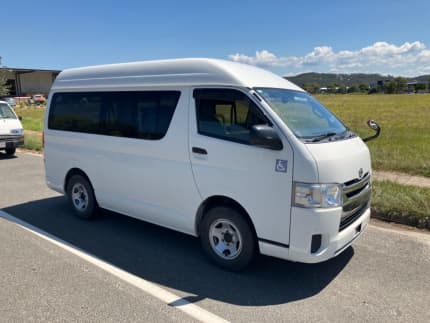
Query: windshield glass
[303,114]
[6,112]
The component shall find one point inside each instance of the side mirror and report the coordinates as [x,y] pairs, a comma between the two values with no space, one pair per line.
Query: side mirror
[373,125]
[265,137]
[20,118]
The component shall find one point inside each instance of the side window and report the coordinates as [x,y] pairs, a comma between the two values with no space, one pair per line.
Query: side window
[143,115]
[226,114]
[154,112]
[78,112]
[119,114]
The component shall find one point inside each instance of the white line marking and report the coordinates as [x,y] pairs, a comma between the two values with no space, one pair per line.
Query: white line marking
[165,296]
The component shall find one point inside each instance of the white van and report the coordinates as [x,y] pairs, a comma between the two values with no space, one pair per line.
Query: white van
[11,132]
[231,153]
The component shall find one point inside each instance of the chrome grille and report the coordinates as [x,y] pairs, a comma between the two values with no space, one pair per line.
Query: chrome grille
[9,137]
[356,199]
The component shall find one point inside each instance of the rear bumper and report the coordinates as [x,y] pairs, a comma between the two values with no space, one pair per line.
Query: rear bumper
[10,142]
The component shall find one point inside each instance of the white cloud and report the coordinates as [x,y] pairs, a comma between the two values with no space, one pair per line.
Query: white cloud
[381,57]
[261,58]
[323,54]
[424,56]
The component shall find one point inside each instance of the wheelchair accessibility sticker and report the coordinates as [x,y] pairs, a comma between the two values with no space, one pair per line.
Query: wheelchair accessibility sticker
[281,165]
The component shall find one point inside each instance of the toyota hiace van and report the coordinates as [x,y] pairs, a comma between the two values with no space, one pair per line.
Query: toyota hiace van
[11,132]
[230,153]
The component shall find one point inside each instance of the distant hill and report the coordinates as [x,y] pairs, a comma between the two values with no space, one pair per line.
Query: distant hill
[326,79]
[421,79]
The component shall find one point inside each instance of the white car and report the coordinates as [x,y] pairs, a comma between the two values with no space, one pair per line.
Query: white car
[231,153]
[11,131]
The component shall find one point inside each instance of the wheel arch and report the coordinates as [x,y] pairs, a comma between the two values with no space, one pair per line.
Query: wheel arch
[220,200]
[76,171]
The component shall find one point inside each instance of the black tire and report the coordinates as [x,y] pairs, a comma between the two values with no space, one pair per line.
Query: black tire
[10,151]
[81,197]
[223,216]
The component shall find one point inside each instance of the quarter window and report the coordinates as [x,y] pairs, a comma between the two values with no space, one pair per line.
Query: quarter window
[76,112]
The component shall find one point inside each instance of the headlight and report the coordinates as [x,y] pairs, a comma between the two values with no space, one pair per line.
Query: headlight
[16,131]
[317,195]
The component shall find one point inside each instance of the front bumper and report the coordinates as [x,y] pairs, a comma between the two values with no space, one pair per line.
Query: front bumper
[10,142]
[306,224]
[324,224]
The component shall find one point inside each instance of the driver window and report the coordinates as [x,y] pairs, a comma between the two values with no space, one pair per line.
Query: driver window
[226,114]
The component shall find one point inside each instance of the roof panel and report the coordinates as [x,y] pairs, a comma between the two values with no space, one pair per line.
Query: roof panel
[188,71]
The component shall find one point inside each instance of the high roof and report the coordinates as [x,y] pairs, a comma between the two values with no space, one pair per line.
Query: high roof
[186,71]
[26,70]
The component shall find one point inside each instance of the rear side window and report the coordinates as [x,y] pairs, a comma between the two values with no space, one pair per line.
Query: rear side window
[226,114]
[76,112]
[144,115]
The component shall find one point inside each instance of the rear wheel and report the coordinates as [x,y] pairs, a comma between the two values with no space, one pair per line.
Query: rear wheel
[10,151]
[81,197]
[227,238]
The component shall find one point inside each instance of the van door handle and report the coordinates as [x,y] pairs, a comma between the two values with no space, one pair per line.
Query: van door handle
[198,150]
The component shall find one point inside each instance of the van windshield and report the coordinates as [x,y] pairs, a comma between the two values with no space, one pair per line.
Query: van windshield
[6,112]
[304,115]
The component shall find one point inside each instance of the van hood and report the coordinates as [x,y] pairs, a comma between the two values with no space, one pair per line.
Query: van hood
[6,125]
[341,161]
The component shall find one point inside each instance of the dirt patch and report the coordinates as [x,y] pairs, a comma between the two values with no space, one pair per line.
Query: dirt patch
[402,178]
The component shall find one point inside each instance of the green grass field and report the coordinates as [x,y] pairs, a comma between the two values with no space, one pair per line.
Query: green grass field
[32,121]
[404,144]
[33,141]
[401,203]
[32,118]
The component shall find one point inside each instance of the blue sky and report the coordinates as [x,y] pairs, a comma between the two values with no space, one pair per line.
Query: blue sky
[287,37]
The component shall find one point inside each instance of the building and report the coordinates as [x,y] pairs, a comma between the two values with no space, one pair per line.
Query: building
[26,82]
[416,87]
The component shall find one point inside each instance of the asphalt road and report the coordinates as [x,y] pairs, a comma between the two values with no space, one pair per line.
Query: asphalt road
[384,277]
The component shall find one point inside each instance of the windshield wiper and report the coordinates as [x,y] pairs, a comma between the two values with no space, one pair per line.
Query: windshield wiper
[322,136]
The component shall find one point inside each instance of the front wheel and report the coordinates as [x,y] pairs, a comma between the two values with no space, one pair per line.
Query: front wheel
[81,197]
[10,151]
[227,238]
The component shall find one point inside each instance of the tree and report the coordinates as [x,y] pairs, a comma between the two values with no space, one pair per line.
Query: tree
[420,87]
[4,88]
[397,85]
[390,87]
[352,89]
[311,88]
[373,90]
[332,88]
[400,84]
[341,89]
[363,87]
